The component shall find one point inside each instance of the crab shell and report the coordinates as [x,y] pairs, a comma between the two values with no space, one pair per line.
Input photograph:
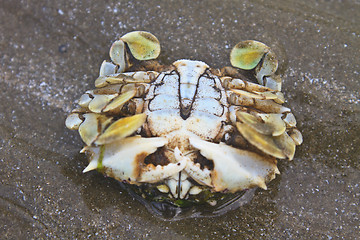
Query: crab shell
[185,127]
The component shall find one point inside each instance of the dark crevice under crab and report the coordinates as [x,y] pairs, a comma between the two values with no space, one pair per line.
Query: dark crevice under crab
[185,129]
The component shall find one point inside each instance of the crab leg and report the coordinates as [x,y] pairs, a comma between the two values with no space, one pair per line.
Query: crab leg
[124,159]
[250,55]
[241,87]
[109,99]
[268,132]
[151,174]
[121,129]
[265,105]
[124,78]
[236,83]
[141,45]
[236,169]
[91,123]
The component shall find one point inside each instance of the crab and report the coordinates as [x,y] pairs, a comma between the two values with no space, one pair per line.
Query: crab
[183,129]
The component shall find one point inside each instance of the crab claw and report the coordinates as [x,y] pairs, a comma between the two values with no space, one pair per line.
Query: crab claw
[142,46]
[124,159]
[202,176]
[267,68]
[252,54]
[153,174]
[247,54]
[236,169]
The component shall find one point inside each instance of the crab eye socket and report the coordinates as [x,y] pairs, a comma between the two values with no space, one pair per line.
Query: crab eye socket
[142,45]
[247,54]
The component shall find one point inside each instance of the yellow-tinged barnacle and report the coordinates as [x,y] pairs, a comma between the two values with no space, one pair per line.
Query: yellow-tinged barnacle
[296,136]
[263,142]
[247,54]
[287,144]
[290,120]
[101,81]
[163,188]
[128,87]
[89,129]
[120,100]
[142,45]
[275,120]
[195,190]
[121,129]
[280,98]
[99,102]
[269,106]
[267,124]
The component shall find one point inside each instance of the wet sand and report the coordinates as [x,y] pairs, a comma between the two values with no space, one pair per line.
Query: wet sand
[51,52]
